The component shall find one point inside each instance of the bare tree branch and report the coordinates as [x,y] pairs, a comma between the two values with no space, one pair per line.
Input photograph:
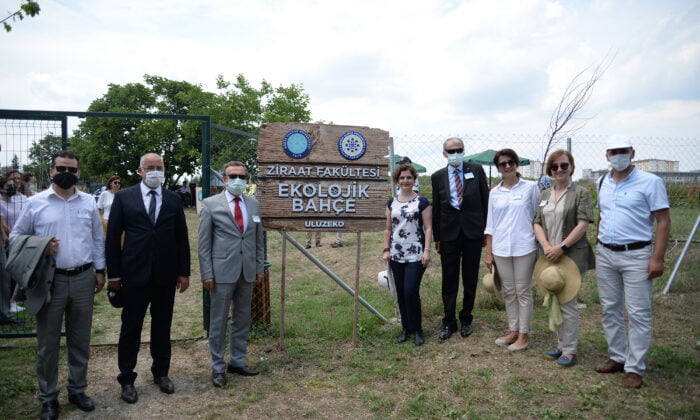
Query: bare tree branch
[564,121]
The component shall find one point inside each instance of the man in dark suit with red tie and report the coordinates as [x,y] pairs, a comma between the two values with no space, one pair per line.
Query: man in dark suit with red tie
[460,203]
[153,262]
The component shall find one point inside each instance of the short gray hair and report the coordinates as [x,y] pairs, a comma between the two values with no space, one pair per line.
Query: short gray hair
[457,139]
[234,163]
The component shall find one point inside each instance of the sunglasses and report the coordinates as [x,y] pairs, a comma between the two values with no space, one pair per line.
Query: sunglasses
[70,169]
[564,166]
[506,163]
[453,151]
[116,182]
[614,152]
[234,176]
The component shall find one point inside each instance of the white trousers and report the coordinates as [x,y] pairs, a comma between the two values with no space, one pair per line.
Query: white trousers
[623,283]
[516,287]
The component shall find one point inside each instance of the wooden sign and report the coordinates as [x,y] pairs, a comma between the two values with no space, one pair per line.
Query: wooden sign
[322,177]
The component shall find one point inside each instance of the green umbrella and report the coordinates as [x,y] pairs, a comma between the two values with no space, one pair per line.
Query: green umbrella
[486,158]
[419,168]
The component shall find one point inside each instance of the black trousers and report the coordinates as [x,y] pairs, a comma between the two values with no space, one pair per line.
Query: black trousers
[161,299]
[407,277]
[453,254]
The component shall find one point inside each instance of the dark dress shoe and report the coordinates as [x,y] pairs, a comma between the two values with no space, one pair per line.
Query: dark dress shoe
[418,339]
[82,401]
[466,330]
[242,370]
[218,379]
[632,380]
[129,394]
[446,333]
[403,336]
[49,410]
[610,366]
[165,384]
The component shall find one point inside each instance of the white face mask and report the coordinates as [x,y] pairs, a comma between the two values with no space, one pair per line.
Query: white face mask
[236,186]
[620,162]
[455,159]
[155,179]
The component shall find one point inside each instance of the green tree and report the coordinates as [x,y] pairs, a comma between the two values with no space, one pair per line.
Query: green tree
[109,146]
[15,162]
[28,7]
[40,155]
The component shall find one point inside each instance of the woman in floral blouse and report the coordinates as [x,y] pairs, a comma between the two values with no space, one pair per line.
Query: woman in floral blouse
[407,241]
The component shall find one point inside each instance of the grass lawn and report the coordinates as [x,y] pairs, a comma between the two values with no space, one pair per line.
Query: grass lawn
[321,375]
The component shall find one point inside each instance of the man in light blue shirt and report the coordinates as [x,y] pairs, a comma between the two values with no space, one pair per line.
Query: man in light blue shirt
[628,258]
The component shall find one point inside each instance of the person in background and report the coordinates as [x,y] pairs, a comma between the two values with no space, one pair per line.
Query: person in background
[309,236]
[627,260]
[186,195]
[29,183]
[407,240]
[6,316]
[510,244]
[560,224]
[460,203]
[71,218]
[104,203]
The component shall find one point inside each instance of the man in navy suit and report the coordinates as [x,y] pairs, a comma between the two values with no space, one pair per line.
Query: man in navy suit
[153,262]
[460,204]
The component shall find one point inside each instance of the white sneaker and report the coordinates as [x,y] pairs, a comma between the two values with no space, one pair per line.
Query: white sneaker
[582,306]
[16,308]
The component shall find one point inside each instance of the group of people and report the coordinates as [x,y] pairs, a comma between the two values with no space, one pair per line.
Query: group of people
[516,222]
[15,188]
[59,234]
[145,251]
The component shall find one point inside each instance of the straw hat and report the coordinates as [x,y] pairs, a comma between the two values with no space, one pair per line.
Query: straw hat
[561,278]
[492,282]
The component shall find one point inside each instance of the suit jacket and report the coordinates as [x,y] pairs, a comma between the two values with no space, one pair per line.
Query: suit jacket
[225,252]
[160,252]
[32,269]
[577,205]
[470,219]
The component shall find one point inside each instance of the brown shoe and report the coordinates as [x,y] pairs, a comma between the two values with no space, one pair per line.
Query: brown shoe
[632,380]
[610,366]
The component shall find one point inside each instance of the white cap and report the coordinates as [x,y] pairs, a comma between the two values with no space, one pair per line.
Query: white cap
[619,141]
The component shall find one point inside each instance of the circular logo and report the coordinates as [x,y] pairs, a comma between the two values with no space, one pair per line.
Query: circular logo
[297,144]
[352,145]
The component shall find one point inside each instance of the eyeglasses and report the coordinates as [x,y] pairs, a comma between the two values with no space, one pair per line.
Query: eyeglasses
[564,166]
[116,182]
[453,151]
[70,169]
[506,163]
[614,152]
[234,176]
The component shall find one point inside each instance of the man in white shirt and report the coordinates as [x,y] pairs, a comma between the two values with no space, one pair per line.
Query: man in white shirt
[71,218]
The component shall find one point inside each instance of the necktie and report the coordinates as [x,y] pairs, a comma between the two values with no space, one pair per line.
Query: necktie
[238,214]
[458,187]
[152,207]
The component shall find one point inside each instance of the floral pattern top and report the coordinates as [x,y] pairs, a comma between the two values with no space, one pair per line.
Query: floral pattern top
[407,235]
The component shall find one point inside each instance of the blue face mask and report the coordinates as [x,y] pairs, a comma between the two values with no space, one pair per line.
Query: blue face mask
[455,159]
[236,186]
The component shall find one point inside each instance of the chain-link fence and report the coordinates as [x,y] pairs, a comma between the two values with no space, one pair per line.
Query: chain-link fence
[675,160]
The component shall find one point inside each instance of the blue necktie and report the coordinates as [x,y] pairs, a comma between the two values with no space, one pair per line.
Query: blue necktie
[152,207]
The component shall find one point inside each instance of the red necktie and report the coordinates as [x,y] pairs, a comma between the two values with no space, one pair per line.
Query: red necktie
[238,214]
[458,187]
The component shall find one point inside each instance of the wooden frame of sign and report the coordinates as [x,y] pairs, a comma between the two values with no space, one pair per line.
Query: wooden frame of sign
[320,177]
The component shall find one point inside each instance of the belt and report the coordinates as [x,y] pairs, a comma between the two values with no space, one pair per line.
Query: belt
[73,271]
[628,247]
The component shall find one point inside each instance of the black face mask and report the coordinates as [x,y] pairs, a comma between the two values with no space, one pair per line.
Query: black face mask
[10,190]
[65,180]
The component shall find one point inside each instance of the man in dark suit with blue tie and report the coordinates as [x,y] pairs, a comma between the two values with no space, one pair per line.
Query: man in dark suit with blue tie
[460,204]
[152,263]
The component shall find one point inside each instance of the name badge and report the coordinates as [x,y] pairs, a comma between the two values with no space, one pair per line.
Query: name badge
[468,175]
[517,197]
[543,203]
[82,214]
[256,219]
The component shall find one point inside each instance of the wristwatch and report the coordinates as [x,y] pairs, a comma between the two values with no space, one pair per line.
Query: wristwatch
[563,246]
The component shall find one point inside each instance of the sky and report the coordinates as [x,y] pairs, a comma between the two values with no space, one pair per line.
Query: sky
[426,67]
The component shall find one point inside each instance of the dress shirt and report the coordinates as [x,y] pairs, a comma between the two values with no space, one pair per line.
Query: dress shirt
[75,221]
[509,219]
[105,203]
[454,201]
[626,207]
[232,205]
[147,198]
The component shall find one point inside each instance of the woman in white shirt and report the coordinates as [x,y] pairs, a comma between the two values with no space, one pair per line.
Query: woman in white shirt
[511,245]
[104,203]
